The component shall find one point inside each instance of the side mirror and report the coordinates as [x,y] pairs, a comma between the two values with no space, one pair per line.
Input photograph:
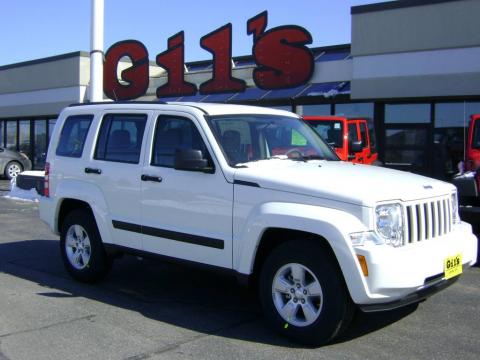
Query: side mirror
[191,160]
[356,146]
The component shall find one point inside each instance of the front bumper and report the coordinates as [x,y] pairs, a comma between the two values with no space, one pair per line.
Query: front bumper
[412,298]
[400,276]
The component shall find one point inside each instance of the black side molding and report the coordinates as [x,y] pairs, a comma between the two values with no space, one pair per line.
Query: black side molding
[246,183]
[171,235]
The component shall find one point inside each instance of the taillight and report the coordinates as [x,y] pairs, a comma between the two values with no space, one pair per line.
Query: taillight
[46,183]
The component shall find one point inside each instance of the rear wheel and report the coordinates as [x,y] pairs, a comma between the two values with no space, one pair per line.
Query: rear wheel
[12,169]
[82,249]
[303,293]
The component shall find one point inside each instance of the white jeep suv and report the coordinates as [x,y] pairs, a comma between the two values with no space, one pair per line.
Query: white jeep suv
[257,192]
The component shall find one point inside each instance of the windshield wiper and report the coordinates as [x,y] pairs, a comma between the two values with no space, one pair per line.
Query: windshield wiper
[306,158]
[313,157]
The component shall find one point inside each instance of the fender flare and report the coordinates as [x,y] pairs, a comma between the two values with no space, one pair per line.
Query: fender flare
[331,224]
[90,194]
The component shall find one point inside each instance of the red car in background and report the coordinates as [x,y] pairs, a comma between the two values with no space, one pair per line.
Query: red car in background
[349,137]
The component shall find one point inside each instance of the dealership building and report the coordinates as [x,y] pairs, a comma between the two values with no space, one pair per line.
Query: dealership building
[412,68]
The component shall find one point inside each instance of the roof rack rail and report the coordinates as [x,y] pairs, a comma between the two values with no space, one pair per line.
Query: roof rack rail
[118,102]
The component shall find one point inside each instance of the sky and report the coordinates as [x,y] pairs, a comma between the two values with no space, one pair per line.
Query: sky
[33,29]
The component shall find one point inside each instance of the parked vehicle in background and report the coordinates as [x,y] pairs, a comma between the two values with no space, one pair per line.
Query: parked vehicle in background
[255,192]
[468,180]
[13,163]
[348,136]
[472,151]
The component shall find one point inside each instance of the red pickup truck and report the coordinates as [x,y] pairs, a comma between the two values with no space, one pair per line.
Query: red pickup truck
[348,136]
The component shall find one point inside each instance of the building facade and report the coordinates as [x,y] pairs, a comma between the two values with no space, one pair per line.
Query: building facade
[413,69]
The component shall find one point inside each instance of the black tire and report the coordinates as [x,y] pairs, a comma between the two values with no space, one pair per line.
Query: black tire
[7,171]
[98,264]
[336,309]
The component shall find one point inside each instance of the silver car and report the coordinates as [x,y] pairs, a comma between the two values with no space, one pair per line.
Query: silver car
[13,163]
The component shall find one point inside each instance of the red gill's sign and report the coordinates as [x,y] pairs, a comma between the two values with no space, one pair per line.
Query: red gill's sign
[282,57]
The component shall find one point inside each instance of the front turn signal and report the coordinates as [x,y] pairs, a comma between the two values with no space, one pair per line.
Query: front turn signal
[363,264]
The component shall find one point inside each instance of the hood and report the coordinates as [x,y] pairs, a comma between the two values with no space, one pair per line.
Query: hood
[341,181]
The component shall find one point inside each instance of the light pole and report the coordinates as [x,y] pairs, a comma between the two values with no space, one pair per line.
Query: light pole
[96,51]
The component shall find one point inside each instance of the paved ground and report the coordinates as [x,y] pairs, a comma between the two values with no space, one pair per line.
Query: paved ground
[148,310]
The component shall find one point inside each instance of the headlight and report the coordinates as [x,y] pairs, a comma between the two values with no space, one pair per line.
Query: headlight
[455,216]
[389,223]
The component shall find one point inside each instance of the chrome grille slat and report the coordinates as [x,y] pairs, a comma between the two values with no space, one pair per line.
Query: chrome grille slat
[427,220]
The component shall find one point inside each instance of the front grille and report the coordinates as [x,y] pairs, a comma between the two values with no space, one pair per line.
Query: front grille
[428,219]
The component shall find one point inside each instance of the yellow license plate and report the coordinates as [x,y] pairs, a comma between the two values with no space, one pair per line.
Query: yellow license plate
[452,266]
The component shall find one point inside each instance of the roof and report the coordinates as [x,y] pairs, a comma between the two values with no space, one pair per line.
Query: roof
[207,108]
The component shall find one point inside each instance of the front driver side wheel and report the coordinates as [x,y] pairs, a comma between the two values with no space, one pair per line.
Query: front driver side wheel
[303,293]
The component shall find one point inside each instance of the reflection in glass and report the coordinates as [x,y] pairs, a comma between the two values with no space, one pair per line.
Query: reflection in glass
[40,131]
[11,135]
[407,113]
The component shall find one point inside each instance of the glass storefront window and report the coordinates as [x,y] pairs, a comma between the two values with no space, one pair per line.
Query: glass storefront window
[472,108]
[40,131]
[1,133]
[364,110]
[51,126]
[312,110]
[405,137]
[405,158]
[281,107]
[11,142]
[407,113]
[449,138]
[24,138]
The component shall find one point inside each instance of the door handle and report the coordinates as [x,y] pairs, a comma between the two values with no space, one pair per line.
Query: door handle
[92,171]
[151,178]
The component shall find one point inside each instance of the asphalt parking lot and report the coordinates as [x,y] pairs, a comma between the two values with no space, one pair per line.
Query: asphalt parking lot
[151,310]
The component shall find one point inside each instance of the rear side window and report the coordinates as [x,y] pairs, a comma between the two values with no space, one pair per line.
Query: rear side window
[120,138]
[73,135]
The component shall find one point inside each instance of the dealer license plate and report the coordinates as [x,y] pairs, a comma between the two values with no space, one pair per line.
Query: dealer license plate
[453,266]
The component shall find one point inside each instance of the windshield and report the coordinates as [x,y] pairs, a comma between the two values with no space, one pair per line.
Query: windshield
[245,138]
[330,131]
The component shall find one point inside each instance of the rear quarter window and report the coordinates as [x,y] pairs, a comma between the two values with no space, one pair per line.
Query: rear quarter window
[73,135]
